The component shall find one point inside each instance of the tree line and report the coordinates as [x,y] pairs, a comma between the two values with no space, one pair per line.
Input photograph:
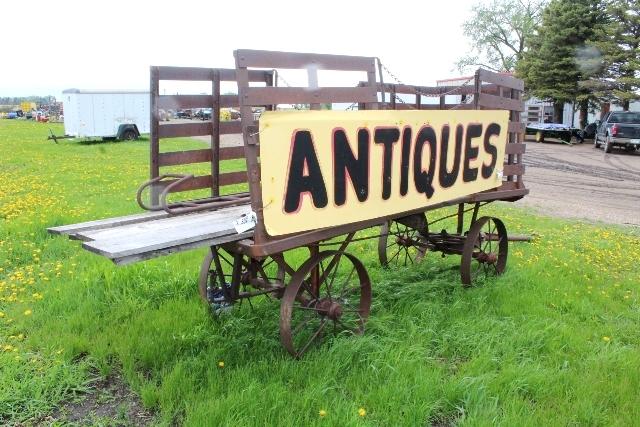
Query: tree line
[16,100]
[585,52]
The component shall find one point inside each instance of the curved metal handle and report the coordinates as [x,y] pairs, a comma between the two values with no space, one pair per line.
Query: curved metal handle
[163,196]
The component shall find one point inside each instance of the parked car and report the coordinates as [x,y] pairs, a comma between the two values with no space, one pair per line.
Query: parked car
[205,114]
[183,114]
[619,129]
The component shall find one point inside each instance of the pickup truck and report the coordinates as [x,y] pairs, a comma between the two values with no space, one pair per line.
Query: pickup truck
[619,129]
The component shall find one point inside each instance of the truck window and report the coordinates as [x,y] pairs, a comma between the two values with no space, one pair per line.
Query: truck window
[625,118]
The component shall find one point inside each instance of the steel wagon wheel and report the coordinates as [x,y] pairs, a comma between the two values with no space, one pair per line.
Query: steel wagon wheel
[400,245]
[485,250]
[329,293]
[216,277]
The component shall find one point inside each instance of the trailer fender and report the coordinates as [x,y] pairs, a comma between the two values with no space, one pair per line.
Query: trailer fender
[128,132]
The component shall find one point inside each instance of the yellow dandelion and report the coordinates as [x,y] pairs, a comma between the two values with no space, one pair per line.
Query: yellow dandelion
[322,413]
[606,339]
[27,312]
[221,364]
[362,412]
[1,314]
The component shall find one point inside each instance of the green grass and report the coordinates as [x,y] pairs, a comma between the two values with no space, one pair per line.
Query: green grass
[527,348]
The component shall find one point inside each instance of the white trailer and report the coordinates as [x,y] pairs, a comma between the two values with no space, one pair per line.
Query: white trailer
[106,114]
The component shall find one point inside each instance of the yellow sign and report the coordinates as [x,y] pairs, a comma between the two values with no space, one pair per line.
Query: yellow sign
[326,168]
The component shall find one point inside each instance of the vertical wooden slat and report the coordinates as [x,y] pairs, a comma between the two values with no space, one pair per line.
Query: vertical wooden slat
[518,136]
[460,226]
[477,84]
[418,101]
[215,134]
[251,153]
[371,80]
[154,140]
[443,102]
[312,79]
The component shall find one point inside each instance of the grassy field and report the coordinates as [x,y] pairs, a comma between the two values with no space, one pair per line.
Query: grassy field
[554,341]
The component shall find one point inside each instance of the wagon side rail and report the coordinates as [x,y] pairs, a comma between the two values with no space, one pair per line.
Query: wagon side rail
[163,180]
[247,61]
[499,91]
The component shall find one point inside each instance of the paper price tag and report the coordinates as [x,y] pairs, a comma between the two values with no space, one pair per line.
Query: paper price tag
[246,222]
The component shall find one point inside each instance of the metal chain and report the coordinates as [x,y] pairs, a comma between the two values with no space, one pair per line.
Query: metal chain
[419,92]
[286,83]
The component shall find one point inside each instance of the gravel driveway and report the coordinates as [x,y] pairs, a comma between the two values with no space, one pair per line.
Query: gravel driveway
[582,182]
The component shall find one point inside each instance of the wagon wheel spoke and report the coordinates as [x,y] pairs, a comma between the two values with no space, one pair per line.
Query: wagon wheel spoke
[302,324]
[312,339]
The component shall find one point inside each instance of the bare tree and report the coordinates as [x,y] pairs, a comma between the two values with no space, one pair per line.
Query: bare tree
[498,31]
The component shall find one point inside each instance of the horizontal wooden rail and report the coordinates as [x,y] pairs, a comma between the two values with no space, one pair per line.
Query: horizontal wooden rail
[514,169]
[427,90]
[174,130]
[205,181]
[229,101]
[184,157]
[231,127]
[197,128]
[185,73]
[294,95]
[273,59]
[207,74]
[501,80]
[494,102]
[179,102]
[413,106]
[173,158]
[515,148]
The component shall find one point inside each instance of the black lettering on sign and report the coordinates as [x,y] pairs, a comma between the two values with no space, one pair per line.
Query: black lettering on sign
[423,180]
[492,130]
[305,175]
[387,137]
[345,163]
[404,161]
[469,174]
[448,178]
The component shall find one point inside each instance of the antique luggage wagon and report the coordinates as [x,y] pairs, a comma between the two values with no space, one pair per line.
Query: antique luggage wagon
[308,186]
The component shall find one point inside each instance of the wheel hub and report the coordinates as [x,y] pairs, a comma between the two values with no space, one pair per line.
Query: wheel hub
[487,258]
[405,241]
[329,308]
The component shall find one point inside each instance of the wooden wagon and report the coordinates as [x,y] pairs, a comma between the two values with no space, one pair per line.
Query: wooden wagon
[330,291]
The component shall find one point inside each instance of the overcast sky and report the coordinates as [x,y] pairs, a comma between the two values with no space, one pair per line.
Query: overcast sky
[50,45]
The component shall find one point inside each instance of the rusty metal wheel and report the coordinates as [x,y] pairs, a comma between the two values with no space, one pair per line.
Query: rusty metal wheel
[329,293]
[216,277]
[400,245]
[485,250]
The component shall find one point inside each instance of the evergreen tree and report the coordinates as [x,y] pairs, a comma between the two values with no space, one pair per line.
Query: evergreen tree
[618,41]
[550,67]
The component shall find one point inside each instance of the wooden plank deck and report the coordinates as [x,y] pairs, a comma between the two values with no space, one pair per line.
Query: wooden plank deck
[144,236]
